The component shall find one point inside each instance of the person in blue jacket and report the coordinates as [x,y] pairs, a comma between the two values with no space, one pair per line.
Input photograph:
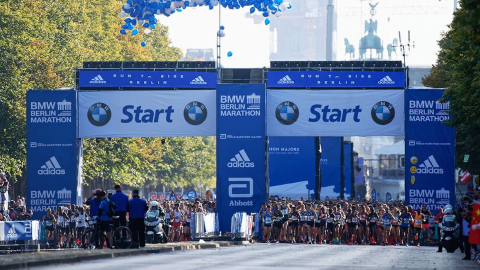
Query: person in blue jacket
[137,209]
[121,201]
[94,203]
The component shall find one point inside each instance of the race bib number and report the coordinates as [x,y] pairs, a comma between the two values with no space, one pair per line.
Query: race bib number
[330,220]
[418,222]
[354,220]
[268,220]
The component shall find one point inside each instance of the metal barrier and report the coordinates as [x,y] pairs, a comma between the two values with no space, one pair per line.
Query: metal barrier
[242,226]
[204,225]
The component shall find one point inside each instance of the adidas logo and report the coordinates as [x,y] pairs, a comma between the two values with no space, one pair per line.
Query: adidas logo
[285,80]
[198,80]
[240,160]
[429,166]
[98,79]
[386,80]
[12,233]
[51,167]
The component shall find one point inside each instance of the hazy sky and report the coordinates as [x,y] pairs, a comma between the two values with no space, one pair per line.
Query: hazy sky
[250,43]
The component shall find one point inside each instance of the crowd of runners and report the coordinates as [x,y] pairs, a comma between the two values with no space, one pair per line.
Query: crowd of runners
[64,227]
[347,222]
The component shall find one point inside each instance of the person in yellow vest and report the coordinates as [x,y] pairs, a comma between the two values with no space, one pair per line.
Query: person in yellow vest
[418,225]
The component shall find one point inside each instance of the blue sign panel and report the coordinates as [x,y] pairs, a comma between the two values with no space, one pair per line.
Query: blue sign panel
[192,194]
[147,79]
[291,166]
[330,167]
[335,79]
[17,230]
[359,197]
[347,168]
[430,151]
[51,150]
[241,183]
[374,195]
[388,197]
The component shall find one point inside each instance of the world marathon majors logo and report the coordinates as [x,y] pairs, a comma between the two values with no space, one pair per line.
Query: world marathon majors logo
[99,114]
[383,113]
[195,113]
[287,113]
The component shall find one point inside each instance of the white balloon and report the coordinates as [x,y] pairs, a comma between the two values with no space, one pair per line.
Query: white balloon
[283,6]
[168,11]
[147,31]
[172,5]
[200,2]
[141,22]
[126,6]
[278,14]
[214,3]
[123,14]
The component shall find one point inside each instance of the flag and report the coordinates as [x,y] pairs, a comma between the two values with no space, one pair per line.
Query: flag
[465,177]
[474,237]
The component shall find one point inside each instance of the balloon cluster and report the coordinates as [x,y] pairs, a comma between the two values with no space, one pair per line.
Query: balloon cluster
[141,13]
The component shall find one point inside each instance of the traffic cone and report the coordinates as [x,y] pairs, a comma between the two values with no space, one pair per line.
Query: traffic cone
[104,243]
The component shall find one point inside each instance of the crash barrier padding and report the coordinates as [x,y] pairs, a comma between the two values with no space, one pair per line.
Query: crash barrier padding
[13,231]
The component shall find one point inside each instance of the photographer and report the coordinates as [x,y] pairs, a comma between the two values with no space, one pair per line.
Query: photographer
[3,191]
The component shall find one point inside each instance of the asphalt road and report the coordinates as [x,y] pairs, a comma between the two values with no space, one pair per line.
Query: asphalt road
[286,256]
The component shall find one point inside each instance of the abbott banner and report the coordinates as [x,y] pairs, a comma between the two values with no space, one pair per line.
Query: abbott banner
[335,113]
[147,113]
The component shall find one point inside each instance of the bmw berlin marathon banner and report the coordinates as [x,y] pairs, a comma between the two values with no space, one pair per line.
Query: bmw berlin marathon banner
[430,150]
[147,113]
[335,113]
[241,183]
[51,150]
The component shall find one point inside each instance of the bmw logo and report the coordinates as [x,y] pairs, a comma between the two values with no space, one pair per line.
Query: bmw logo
[287,113]
[99,114]
[195,113]
[383,113]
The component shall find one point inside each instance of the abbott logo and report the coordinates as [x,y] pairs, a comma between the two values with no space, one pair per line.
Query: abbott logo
[240,160]
[429,166]
[51,167]
[244,184]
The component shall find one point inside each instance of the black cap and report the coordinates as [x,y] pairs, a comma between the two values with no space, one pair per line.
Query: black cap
[101,193]
[135,191]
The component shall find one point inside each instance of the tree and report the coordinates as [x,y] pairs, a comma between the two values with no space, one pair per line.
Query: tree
[458,70]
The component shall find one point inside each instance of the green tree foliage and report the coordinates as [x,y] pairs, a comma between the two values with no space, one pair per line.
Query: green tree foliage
[41,44]
[458,70]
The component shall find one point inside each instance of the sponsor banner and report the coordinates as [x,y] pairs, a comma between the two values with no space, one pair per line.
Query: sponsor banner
[192,194]
[335,113]
[241,184]
[359,176]
[19,230]
[51,150]
[335,79]
[147,79]
[147,113]
[347,168]
[430,151]
[330,167]
[374,195]
[291,166]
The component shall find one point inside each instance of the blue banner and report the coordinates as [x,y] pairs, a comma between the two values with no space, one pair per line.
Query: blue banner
[388,197]
[347,168]
[330,167]
[18,230]
[51,150]
[430,151]
[359,197]
[241,183]
[374,195]
[147,79]
[291,166]
[335,79]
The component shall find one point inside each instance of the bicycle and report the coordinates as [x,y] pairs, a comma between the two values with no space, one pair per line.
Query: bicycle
[122,236]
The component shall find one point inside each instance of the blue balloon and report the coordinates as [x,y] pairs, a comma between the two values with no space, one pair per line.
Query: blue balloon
[143,44]
[229,54]
[267,21]
[134,32]
[123,32]
[130,27]
[222,27]
[146,25]
[252,10]
[152,26]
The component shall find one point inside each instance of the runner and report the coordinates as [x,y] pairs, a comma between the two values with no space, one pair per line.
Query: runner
[387,226]
[419,217]
[372,225]
[267,223]
[395,226]
[293,225]
[177,217]
[49,221]
[277,223]
[285,211]
[362,217]
[404,226]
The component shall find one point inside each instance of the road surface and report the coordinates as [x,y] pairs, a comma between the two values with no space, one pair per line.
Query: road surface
[286,256]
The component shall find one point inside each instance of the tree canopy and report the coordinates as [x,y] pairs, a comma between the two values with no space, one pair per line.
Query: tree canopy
[41,44]
[458,70]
